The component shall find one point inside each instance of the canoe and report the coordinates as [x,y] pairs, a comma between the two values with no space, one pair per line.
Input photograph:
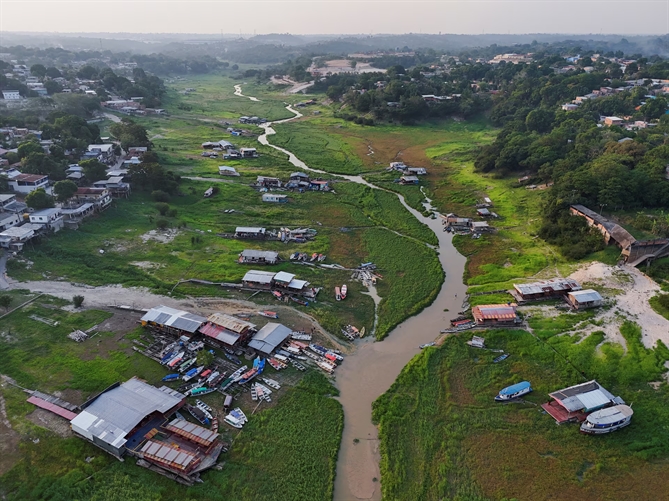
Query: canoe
[337,293]
[268,314]
[344,291]
[501,358]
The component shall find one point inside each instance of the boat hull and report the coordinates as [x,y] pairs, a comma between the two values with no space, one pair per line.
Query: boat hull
[603,431]
[507,398]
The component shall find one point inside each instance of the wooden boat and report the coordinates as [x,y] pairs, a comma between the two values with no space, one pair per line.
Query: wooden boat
[277,294]
[205,374]
[187,365]
[254,393]
[271,383]
[206,410]
[607,420]
[232,358]
[344,291]
[362,332]
[237,412]
[321,258]
[314,256]
[268,314]
[331,357]
[299,301]
[427,345]
[232,421]
[176,359]
[197,414]
[337,294]
[298,365]
[318,349]
[246,377]
[327,367]
[501,358]
[337,356]
[301,336]
[171,377]
[202,390]
[514,391]
[192,373]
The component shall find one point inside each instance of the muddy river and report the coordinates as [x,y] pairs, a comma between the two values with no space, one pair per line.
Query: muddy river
[374,366]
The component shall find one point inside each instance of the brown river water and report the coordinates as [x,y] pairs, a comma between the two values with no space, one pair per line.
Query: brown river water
[373,367]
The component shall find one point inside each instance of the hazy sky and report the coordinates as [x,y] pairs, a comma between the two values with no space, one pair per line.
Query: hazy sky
[337,16]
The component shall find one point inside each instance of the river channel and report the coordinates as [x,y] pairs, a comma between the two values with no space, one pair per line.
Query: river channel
[373,367]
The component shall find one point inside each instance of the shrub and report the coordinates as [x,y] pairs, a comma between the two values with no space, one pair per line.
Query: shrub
[172,213]
[5,301]
[160,196]
[162,223]
[78,301]
[162,208]
[663,300]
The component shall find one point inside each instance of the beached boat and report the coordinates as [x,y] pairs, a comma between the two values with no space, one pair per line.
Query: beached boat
[187,365]
[237,413]
[205,374]
[271,383]
[321,257]
[301,336]
[202,405]
[202,390]
[607,420]
[501,358]
[299,301]
[192,373]
[337,356]
[168,350]
[197,414]
[314,256]
[247,376]
[171,377]
[232,358]
[233,377]
[254,393]
[427,345]
[212,376]
[298,365]
[514,391]
[326,366]
[176,359]
[232,421]
[277,294]
[337,293]
[320,350]
[268,314]
[362,332]
[344,291]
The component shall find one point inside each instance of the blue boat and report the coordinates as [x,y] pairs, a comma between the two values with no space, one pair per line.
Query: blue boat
[191,372]
[514,391]
[501,358]
[171,377]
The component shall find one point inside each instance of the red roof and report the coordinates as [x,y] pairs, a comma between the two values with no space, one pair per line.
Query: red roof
[90,191]
[494,312]
[69,415]
[31,178]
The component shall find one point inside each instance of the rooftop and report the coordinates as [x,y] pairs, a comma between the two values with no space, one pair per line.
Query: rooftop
[548,286]
[584,396]
[495,311]
[257,254]
[284,277]
[261,277]
[269,337]
[249,229]
[587,295]
[231,323]
[178,319]
[30,178]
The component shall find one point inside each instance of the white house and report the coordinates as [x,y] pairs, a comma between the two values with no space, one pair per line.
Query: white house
[51,218]
[27,183]
[15,237]
[225,170]
[8,219]
[11,95]
[274,198]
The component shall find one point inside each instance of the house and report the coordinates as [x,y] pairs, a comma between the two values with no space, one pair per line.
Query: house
[408,180]
[495,314]
[268,182]
[417,171]
[115,186]
[573,404]
[48,218]
[480,226]
[248,232]
[169,320]
[8,219]
[15,237]
[248,152]
[6,200]
[274,198]
[399,166]
[612,232]
[269,338]
[288,281]
[227,329]
[100,198]
[258,279]
[545,289]
[609,121]
[251,256]
[73,214]
[225,170]
[319,185]
[570,107]
[102,152]
[110,418]
[583,299]
[299,176]
[483,212]
[75,173]
[27,183]
[137,151]
[131,161]
[11,95]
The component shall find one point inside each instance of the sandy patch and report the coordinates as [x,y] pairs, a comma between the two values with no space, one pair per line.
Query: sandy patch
[632,303]
[46,419]
[162,236]
[146,265]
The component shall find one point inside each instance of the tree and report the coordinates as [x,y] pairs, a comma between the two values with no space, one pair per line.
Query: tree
[39,163]
[52,87]
[52,72]
[205,358]
[162,208]
[38,70]
[5,301]
[78,301]
[39,199]
[130,134]
[29,147]
[94,170]
[64,190]
[87,72]
[161,196]
[353,63]
[162,224]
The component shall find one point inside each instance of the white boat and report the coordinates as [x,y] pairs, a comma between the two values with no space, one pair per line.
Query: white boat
[254,393]
[607,420]
[335,355]
[232,421]
[337,294]
[514,391]
[426,345]
[301,336]
[237,412]
[344,290]
[271,383]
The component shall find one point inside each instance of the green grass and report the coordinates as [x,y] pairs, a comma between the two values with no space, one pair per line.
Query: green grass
[443,437]
[290,448]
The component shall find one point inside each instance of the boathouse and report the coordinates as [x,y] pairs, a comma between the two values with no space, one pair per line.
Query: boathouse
[227,329]
[252,256]
[258,279]
[250,233]
[545,289]
[576,402]
[271,336]
[583,299]
[495,314]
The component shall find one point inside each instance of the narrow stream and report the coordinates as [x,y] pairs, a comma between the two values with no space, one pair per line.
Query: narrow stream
[374,366]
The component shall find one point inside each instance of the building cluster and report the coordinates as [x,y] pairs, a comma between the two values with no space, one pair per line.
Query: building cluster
[132,106]
[558,288]
[298,181]
[512,58]
[229,151]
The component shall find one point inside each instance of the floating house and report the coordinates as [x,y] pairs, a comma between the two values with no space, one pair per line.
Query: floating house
[573,404]
[269,338]
[545,289]
[227,329]
[268,182]
[495,314]
[409,180]
[172,321]
[258,279]
[252,256]
[274,198]
[583,299]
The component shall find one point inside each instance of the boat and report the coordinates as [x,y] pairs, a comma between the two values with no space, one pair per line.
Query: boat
[317,349]
[268,314]
[232,421]
[427,345]
[294,255]
[202,390]
[247,376]
[337,294]
[344,290]
[321,258]
[201,405]
[192,373]
[607,420]
[277,294]
[362,332]
[212,377]
[205,374]
[299,301]
[336,355]
[176,359]
[254,393]
[298,366]
[196,346]
[501,358]
[233,377]
[197,414]
[186,365]
[237,413]
[168,350]
[171,377]
[271,383]
[301,336]
[327,367]
[276,364]
[314,256]
[514,391]
[232,358]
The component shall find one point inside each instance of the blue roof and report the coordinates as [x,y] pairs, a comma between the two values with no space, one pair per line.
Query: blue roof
[510,390]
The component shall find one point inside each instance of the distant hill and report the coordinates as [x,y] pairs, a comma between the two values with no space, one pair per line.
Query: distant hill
[279,39]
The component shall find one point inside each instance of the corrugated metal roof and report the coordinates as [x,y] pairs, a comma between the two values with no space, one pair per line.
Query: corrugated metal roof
[494,312]
[269,337]
[257,254]
[179,319]
[231,323]
[193,432]
[586,296]
[260,277]
[590,395]
[249,229]
[553,285]
[284,276]
[165,453]
[69,415]
[219,333]
[297,284]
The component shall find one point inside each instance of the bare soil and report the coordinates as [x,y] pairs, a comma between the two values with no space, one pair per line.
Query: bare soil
[60,426]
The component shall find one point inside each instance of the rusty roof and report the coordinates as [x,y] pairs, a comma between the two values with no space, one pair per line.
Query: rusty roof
[229,322]
[495,311]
